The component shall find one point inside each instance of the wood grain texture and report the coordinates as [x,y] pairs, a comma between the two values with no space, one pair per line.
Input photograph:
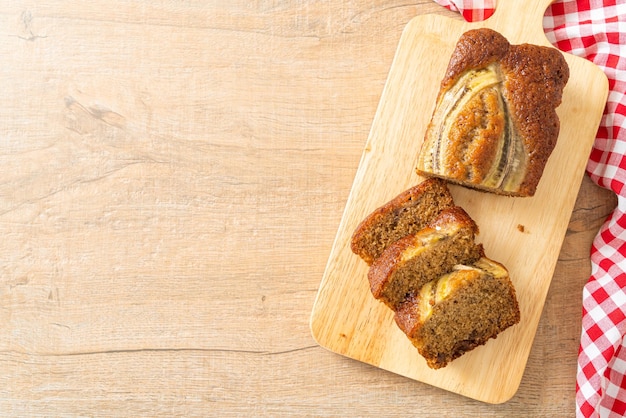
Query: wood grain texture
[172,176]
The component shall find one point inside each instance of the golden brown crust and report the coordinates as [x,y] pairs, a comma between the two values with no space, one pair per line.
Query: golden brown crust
[406,316]
[405,214]
[383,267]
[482,121]
[533,87]
[476,48]
[454,215]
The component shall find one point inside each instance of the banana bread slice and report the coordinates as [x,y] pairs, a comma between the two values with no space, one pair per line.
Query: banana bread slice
[459,311]
[411,262]
[406,214]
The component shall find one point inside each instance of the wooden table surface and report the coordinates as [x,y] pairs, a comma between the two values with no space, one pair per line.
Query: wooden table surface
[172,176]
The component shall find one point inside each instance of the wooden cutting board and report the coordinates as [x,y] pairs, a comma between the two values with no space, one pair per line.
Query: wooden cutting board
[525,234]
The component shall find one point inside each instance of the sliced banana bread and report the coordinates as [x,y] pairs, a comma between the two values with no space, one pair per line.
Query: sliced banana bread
[404,215]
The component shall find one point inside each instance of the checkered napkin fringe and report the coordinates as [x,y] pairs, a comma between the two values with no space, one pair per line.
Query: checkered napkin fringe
[595,30]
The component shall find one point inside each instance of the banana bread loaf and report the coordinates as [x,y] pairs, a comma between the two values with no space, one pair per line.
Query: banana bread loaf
[495,124]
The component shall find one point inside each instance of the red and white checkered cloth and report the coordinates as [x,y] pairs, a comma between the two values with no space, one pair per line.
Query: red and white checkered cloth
[595,30]
[472,10]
